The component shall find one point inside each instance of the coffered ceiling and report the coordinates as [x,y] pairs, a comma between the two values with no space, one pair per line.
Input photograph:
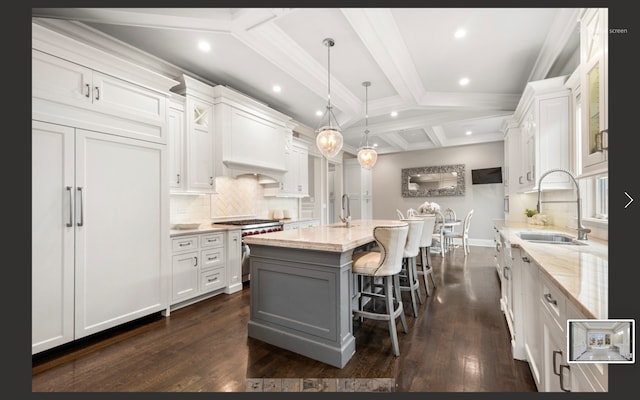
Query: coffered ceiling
[410,55]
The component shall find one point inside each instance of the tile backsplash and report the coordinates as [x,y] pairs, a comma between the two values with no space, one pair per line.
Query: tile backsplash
[235,197]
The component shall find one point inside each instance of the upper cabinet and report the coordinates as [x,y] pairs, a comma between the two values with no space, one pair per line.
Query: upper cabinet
[251,137]
[295,182]
[543,117]
[594,90]
[199,137]
[176,128]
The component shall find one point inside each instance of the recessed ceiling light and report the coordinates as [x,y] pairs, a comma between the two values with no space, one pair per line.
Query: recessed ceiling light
[204,46]
[375,145]
[319,113]
[277,88]
[464,81]
[460,33]
[468,133]
[394,113]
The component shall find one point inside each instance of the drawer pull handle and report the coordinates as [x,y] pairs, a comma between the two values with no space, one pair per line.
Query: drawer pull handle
[562,377]
[184,244]
[550,299]
[555,353]
[196,264]
[88,90]
[526,259]
[97,93]
[70,223]
[212,279]
[213,258]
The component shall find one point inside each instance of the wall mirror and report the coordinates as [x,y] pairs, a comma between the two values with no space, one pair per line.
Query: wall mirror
[438,180]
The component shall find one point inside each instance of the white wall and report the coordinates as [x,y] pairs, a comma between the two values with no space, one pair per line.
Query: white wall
[486,200]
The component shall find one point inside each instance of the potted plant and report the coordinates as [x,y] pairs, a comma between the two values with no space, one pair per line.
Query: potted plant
[530,213]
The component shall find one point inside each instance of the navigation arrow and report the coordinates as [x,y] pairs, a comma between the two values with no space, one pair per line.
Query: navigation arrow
[630,199]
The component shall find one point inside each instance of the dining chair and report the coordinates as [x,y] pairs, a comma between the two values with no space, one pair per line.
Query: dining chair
[386,263]
[438,232]
[464,235]
[399,214]
[449,215]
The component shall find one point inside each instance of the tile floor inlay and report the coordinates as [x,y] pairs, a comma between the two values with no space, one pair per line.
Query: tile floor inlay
[321,385]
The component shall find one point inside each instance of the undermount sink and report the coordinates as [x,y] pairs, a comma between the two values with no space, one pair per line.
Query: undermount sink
[548,238]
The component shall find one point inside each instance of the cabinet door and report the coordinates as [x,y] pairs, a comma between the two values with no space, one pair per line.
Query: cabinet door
[532,319]
[200,146]
[557,373]
[52,230]
[176,126]
[594,86]
[234,266]
[302,186]
[121,230]
[185,276]
[55,79]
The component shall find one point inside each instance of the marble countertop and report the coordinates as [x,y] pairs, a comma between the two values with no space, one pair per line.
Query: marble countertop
[333,237]
[204,228]
[580,272]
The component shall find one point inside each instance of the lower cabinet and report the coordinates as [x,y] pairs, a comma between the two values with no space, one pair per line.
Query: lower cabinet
[198,265]
[532,325]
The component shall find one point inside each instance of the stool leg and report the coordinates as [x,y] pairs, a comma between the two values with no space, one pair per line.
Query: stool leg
[426,266]
[392,319]
[400,308]
[411,291]
[415,283]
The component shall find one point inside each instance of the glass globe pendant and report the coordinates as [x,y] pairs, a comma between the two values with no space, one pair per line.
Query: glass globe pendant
[329,139]
[367,155]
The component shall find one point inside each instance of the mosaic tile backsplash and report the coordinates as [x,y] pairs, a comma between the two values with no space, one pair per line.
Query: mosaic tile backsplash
[235,197]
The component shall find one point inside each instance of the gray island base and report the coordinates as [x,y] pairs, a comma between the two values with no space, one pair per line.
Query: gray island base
[302,289]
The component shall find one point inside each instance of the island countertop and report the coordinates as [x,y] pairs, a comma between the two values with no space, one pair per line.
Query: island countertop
[332,237]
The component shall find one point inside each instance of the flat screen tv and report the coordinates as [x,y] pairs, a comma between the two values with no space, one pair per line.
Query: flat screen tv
[486,175]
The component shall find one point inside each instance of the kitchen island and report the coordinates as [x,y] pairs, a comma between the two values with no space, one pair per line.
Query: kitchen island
[302,288]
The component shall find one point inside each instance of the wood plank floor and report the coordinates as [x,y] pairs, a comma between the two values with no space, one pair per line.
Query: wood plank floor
[458,343]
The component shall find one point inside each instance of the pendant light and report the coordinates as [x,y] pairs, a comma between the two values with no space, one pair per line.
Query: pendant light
[367,155]
[329,139]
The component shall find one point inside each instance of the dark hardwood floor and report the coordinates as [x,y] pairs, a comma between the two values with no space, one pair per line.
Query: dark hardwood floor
[458,343]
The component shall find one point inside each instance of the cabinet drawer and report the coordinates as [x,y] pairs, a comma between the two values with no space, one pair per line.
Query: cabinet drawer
[553,304]
[212,258]
[212,240]
[212,280]
[184,243]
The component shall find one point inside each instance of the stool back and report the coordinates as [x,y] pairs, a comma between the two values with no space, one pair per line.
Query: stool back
[427,230]
[412,247]
[391,240]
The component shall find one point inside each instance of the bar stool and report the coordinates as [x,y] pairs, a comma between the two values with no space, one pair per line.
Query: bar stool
[425,251]
[385,263]
[411,250]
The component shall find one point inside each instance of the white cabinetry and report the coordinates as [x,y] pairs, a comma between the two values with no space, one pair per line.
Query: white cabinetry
[234,261]
[511,301]
[358,186]
[64,89]
[199,265]
[176,128]
[98,244]
[594,43]
[543,115]
[199,135]
[532,315]
[295,182]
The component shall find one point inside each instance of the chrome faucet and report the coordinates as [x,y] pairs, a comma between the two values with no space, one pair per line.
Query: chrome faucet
[582,231]
[347,219]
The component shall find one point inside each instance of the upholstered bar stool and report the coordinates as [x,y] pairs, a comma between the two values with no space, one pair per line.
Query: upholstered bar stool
[385,263]
[426,269]
[411,250]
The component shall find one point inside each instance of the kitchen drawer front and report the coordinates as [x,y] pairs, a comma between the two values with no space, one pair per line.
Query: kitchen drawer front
[212,240]
[212,279]
[212,258]
[184,243]
[553,304]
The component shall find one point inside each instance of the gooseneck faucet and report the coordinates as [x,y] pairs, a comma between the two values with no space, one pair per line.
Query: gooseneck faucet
[345,201]
[582,231]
